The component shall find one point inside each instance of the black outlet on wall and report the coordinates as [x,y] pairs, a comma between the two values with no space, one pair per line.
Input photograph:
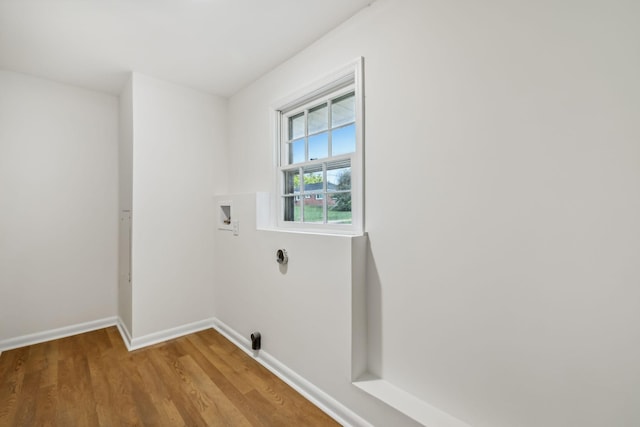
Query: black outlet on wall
[255,341]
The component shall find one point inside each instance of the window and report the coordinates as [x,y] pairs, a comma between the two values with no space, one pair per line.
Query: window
[320,155]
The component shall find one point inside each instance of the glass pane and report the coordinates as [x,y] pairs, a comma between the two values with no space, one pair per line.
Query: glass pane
[313,209]
[338,177]
[339,208]
[318,119]
[313,181]
[292,209]
[319,146]
[343,110]
[296,151]
[343,140]
[291,182]
[296,126]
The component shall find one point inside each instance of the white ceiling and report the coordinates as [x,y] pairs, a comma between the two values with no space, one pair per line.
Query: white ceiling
[218,46]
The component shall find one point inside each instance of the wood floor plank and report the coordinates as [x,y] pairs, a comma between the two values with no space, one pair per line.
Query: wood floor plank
[210,402]
[46,398]
[100,381]
[188,411]
[272,389]
[66,347]
[115,339]
[214,400]
[13,371]
[261,380]
[65,411]
[122,405]
[141,394]
[198,380]
[76,404]
[26,406]
[50,368]
[225,378]
[160,394]
[239,381]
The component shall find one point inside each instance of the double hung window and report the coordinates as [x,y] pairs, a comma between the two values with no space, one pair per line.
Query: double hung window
[320,161]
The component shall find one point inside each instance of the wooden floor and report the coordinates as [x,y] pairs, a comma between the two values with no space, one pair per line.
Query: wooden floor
[198,380]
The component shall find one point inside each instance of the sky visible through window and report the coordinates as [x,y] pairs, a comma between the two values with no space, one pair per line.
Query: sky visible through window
[316,145]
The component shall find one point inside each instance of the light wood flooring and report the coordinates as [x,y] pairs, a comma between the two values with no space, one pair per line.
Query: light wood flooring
[91,380]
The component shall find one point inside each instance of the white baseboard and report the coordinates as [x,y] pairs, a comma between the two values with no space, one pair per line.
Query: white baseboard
[124,333]
[130,343]
[161,336]
[66,331]
[328,404]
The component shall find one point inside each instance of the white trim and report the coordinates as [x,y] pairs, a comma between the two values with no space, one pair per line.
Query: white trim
[350,75]
[168,334]
[124,333]
[407,403]
[335,91]
[53,334]
[322,400]
[333,81]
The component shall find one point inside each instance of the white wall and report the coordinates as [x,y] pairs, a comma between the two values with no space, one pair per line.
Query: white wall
[58,205]
[502,198]
[125,185]
[303,310]
[179,152]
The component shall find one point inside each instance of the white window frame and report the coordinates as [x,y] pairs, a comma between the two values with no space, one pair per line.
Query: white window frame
[348,78]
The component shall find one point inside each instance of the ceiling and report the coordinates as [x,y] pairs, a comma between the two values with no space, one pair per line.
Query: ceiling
[218,46]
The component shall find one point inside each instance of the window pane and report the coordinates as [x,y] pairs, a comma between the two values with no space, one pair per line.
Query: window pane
[339,208]
[313,180]
[318,119]
[338,177]
[343,110]
[291,182]
[296,151]
[343,140]
[319,146]
[313,210]
[296,126]
[292,209]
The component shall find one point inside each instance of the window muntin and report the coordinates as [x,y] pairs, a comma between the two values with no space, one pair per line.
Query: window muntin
[323,195]
[321,130]
[320,141]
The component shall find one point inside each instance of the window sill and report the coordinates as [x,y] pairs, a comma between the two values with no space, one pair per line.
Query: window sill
[311,232]
[407,403]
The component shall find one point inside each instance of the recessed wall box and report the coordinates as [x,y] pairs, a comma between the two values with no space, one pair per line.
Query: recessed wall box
[224,215]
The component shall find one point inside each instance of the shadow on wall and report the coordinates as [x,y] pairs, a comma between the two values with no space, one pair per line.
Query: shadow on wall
[374,314]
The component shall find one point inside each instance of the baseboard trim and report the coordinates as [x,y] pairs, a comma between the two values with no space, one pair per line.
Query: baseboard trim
[161,336]
[328,404]
[124,333]
[53,334]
